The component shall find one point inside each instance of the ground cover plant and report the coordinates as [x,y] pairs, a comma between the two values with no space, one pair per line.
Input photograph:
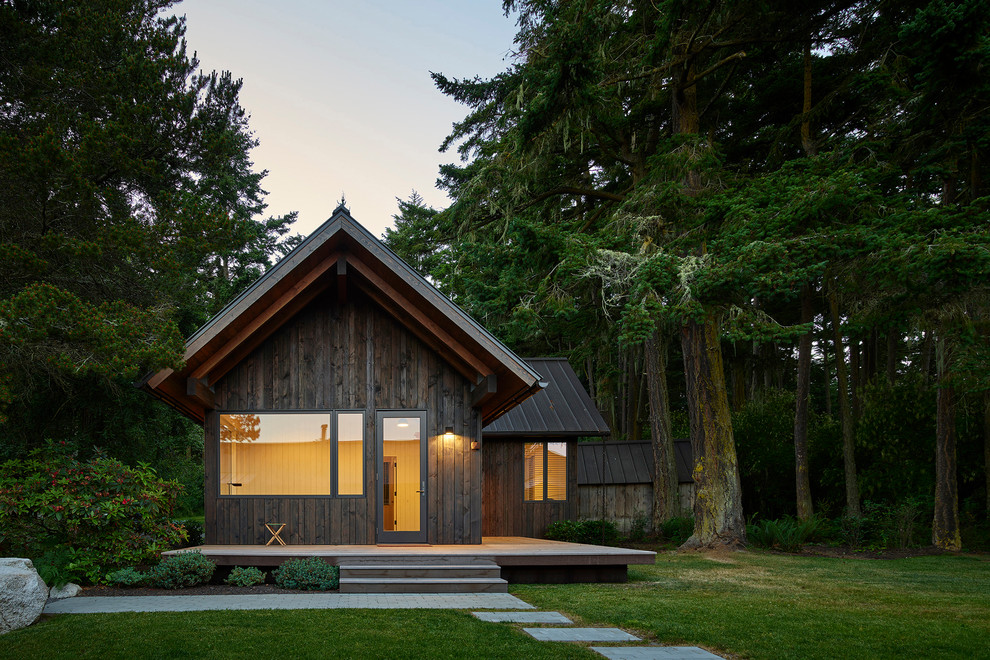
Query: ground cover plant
[309,573]
[186,569]
[301,634]
[761,605]
[249,576]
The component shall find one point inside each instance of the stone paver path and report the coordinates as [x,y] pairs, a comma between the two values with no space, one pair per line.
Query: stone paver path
[654,653]
[581,635]
[524,617]
[285,602]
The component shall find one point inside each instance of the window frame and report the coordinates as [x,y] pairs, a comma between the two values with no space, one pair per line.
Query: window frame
[545,446]
[334,476]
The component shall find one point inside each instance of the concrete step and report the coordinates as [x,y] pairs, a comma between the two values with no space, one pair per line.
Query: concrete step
[421,577]
[431,585]
[419,571]
[421,560]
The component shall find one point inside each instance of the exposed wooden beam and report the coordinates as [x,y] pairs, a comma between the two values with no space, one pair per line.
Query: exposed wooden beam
[483,390]
[342,279]
[260,319]
[159,378]
[405,311]
[203,393]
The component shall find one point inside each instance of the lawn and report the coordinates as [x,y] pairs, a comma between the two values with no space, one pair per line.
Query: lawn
[747,604]
[760,605]
[279,634]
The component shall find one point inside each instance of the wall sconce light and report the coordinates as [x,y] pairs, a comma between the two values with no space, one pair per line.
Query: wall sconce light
[475,445]
[448,433]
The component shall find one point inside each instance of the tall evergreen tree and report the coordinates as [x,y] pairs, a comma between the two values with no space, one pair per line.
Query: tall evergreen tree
[124,174]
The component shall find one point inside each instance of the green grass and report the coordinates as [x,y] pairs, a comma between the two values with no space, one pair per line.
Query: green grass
[747,604]
[279,634]
[763,605]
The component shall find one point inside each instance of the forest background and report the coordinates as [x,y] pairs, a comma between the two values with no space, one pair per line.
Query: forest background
[760,227]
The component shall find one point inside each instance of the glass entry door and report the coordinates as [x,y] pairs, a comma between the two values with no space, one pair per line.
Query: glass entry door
[401,477]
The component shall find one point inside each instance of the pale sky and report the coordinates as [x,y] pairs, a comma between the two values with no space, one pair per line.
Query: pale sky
[340,93]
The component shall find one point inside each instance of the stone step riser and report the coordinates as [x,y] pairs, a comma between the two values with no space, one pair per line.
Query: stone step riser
[422,586]
[406,560]
[420,572]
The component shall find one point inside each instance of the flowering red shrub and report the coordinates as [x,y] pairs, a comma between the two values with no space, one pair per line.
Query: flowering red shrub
[100,513]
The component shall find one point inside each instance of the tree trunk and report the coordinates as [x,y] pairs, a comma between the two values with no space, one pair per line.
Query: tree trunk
[945,527]
[823,344]
[718,515]
[986,447]
[926,357]
[664,466]
[803,485]
[845,413]
[807,142]
[855,374]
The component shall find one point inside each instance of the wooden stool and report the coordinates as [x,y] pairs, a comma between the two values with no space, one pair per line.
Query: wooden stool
[271,527]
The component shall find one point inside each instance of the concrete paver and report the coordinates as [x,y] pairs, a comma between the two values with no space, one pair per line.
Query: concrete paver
[466,601]
[654,653]
[523,617]
[581,635]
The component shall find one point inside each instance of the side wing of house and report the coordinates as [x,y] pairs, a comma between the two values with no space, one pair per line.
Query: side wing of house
[530,455]
[342,395]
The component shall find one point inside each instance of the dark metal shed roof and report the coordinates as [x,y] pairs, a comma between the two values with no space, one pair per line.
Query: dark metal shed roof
[562,409]
[627,462]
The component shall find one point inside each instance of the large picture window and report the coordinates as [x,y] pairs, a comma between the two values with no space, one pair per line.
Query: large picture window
[292,453]
[545,471]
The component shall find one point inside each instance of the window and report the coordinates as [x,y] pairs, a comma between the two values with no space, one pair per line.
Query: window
[545,471]
[292,454]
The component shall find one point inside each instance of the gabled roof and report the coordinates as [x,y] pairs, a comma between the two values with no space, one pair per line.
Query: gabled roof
[627,462]
[562,409]
[342,254]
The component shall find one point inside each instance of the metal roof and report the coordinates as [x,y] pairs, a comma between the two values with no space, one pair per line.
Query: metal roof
[562,409]
[627,462]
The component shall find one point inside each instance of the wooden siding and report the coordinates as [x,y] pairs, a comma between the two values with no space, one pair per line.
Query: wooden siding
[623,503]
[506,513]
[351,356]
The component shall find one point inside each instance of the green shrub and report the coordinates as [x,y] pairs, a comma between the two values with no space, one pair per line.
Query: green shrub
[310,574]
[126,577]
[884,526]
[638,529]
[194,530]
[583,531]
[59,566]
[186,569]
[106,513]
[245,577]
[677,530]
[786,534]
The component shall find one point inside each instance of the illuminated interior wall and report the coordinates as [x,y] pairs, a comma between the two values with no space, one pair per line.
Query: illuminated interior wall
[403,442]
[290,454]
[350,454]
[555,470]
[534,471]
[275,454]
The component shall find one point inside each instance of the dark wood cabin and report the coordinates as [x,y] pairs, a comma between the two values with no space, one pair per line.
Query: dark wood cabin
[344,396]
[530,463]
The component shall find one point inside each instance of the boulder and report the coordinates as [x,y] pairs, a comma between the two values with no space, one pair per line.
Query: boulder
[70,590]
[22,594]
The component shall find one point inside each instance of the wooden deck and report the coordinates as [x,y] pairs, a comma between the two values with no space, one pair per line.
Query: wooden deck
[521,559]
